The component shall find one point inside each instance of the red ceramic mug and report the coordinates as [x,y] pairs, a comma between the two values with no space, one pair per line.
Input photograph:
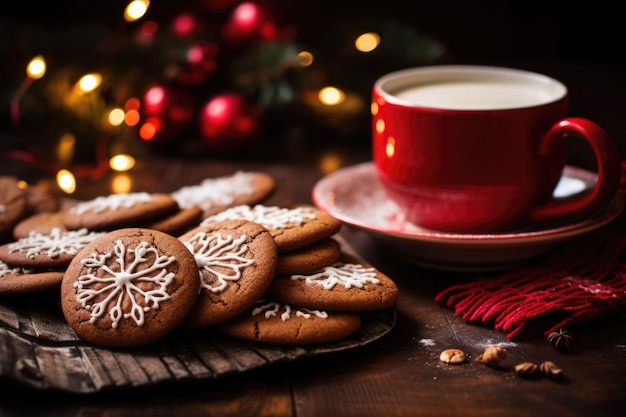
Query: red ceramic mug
[476,149]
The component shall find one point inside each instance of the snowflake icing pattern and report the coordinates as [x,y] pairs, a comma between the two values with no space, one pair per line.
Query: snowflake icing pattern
[214,191]
[121,283]
[55,243]
[214,253]
[111,202]
[270,217]
[348,275]
[271,309]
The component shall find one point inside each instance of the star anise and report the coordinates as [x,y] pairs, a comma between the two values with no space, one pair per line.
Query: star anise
[560,339]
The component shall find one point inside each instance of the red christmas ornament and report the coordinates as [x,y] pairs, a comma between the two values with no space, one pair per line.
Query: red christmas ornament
[228,121]
[248,21]
[169,110]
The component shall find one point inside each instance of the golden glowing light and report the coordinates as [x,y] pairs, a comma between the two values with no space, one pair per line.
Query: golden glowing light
[132,117]
[121,184]
[390,148]
[135,10]
[331,96]
[36,68]
[66,181]
[122,162]
[304,58]
[116,117]
[87,83]
[22,184]
[330,162]
[65,147]
[367,42]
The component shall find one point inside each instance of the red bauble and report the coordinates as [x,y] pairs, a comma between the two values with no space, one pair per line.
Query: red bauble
[228,121]
[169,110]
[247,22]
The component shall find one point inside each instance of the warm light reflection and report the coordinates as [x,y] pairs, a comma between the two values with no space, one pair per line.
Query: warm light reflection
[122,162]
[36,68]
[121,184]
[380,126]
[132,117]
[135,10]
[390,148]
[374,108]
[331,96]
[116,117]
[367,42]
[66,181]
[150,128]
[87,83]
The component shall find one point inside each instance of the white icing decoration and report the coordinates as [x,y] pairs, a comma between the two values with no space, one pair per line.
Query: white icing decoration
[55,243]
[7,270]
[111,202]
[271,309]
[270,217]
[215,253]
[120,283]
[348,275]
[214,191]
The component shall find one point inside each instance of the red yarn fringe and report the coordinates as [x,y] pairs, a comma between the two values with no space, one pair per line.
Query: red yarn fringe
[581,285]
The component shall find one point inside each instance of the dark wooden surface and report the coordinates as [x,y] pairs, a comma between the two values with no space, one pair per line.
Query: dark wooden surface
[399,374]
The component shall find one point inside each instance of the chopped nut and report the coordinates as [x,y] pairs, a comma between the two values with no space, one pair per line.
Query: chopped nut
[527,369]
[550,369]
[452,356]
[493,355]
[560,339]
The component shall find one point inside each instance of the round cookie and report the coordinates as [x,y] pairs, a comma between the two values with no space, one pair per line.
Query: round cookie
[236,260]
[309,258]
[42,222]
[47,250]
[348,285]
[217,194]
[292,228]
[13,205]
[15,280]
[119,210]
[275,323]
[178,222]
[130,287]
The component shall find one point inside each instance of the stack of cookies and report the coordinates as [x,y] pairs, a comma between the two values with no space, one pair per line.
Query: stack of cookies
[131,268]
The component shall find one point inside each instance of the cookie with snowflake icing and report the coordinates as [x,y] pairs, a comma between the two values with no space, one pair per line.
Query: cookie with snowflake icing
[119,210]
[177,223]
[42,222]
[47,250]
[213,195]
[283,324]
[237,261]
[18,280]
[130,287]
[292,228]
[347,285]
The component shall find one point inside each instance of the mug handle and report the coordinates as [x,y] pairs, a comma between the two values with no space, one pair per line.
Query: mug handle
[609,169]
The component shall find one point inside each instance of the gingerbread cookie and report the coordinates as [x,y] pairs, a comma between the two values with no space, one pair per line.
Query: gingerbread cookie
[16,280]
[237,261]
[129,288]
[119,210]
[309,258]
[216,194]
[13,205]
[42,222]
[275,323]
[347,285]
[292,228]
[52,250]
[178,222]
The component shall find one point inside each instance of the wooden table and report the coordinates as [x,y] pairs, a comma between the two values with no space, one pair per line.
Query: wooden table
[398,375]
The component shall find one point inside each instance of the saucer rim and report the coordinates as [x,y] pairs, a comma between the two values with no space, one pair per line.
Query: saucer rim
[562,232]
